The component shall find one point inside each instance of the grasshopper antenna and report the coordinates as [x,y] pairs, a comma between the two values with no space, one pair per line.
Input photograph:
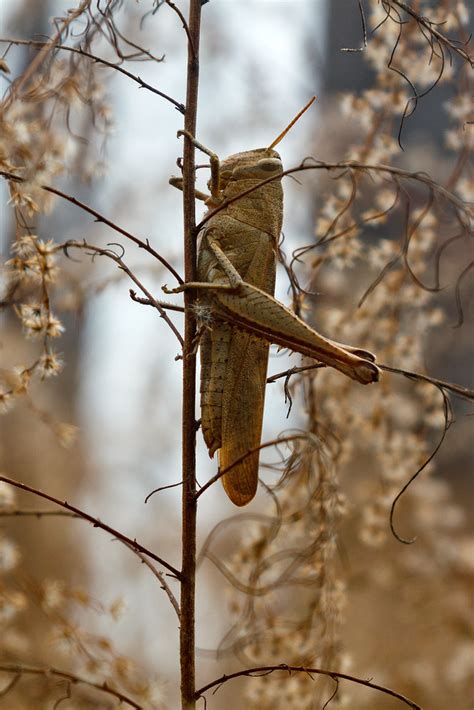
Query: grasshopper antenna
[292,123]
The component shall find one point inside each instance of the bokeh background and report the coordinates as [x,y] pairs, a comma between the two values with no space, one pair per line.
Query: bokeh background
[260,62]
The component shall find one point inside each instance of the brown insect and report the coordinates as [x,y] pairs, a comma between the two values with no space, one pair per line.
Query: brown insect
[239,315]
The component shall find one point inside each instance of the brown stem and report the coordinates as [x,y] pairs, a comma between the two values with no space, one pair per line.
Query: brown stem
[189,503]
[265,445]
[266,670]
[346,165]
[98,60]
[71,678]
[431,28]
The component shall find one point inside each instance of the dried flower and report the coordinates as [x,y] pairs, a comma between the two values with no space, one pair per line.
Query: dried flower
[7,496]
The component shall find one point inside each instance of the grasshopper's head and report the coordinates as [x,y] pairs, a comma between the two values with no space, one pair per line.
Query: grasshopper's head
[257,164]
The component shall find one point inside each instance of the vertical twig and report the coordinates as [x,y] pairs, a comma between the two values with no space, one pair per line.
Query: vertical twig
[189,503]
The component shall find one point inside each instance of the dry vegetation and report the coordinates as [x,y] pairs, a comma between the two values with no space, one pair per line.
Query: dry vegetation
[342,568]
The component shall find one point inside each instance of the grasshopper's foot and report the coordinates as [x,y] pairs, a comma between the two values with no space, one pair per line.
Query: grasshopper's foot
[178,289]
[367,372]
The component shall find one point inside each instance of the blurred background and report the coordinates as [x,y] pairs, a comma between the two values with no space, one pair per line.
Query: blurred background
[76,588]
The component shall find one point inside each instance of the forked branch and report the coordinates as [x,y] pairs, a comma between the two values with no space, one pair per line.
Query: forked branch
[21,670]
[132,544]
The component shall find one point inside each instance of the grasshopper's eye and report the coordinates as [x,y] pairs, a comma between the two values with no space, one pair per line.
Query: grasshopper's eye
[269,165]
[262,169]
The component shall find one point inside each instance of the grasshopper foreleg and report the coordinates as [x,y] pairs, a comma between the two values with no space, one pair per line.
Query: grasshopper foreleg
[202,285]
[235,279]
[213,159]
[178,183]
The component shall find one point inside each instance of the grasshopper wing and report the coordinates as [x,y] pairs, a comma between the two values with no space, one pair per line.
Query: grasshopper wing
[242,414]
[215,346]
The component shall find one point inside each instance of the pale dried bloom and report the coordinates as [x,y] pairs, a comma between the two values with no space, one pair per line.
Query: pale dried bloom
[345,251]
[7,401]
[25,245]
[52,594]
[54,327]
[14,643]
[9,555]
[462,12]
[38,321]
[460,666]
[7,496]
[465,187]
[11,603]
[455,138]
[66,433]
[464,555]
[152,694]
[33,317]
[66,637]
[42,267]
[460,108]
[81,596]
[49,365]
[122,667]
[117,609]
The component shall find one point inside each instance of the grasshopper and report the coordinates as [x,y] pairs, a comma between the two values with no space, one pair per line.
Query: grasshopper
[239,316]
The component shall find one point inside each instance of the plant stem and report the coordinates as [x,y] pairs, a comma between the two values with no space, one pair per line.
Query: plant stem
[189,503]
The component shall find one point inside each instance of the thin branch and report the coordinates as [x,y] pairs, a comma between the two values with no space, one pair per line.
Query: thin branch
[100,218]
[428,25]
[95,522]
[265,445]
[33,513]
[364,34]
[456,389]
[457,294]
[187,635]
[266,670]
[20,669]
[163,583]
[447,424]
[162,488]
[98,60]
[185,25]
[122,265]
[345,165]
[66,514]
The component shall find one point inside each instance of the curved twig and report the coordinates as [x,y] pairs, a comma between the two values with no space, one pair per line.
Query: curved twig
[265,445]
[98,60]
[425,22]
[100,218]
[448,421]
[20,670]
[133,544]
[344,165]
[265,670]
[122,265]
